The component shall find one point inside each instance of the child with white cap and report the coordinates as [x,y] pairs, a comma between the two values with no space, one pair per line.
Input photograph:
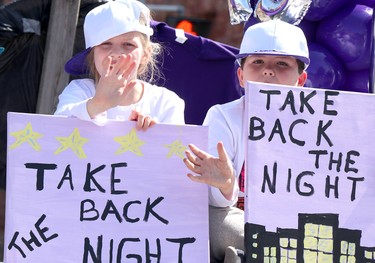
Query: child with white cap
[120,58]
[271,52]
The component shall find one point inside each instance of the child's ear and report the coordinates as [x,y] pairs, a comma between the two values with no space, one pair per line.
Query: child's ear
[302,79]
[240,76]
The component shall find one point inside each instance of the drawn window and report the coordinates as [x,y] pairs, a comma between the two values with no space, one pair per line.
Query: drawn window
[318,243]
[255,245]
[369,254]
[288,250]
[270,255]
[347,254]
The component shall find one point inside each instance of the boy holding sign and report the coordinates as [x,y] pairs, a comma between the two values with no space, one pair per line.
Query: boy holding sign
[273,52]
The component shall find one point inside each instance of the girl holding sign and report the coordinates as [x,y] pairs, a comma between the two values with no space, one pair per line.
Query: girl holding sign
[271,52]
[119,57]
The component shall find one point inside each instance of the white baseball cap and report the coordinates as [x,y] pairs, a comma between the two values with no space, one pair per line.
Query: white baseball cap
[106,21]
[274,38]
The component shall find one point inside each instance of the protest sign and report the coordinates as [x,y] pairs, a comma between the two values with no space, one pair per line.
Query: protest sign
[77,192]
[309,175]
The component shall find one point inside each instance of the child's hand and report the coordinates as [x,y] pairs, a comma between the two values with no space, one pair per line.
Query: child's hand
[115,86]
[143,121]
[214,171]
[112,85]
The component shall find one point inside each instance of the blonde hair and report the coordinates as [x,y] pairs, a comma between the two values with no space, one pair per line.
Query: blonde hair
[150,71]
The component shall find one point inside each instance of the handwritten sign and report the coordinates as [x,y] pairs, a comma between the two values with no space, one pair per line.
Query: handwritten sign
[77,192]
[310,175]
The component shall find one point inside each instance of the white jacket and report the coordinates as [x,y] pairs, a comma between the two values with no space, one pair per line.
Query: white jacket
[156,101]
[226,124]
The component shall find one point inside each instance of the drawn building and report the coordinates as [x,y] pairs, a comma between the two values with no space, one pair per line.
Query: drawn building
[288,239]
[317,239]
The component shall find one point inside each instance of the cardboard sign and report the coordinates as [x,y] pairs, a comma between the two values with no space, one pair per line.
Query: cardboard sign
[310,175]
[77,192]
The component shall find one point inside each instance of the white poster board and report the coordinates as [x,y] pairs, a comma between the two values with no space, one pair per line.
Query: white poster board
[77,192]
[310,175]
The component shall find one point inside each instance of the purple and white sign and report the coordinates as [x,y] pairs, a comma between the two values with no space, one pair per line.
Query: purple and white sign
[77,192]
[310,174]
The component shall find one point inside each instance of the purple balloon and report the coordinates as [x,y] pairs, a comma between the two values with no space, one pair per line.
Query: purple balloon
[348,35]
[369,3]
[309,28]
[320,9]
[357,81]
[325,70]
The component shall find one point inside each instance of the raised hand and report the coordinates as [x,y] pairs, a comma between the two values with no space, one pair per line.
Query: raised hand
[116,86]
[214,171]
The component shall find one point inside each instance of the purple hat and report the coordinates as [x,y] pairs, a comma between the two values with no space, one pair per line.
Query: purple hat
[107,21]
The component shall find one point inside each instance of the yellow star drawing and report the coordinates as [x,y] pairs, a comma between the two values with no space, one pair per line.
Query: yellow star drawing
[26,135]
[75,142]
[176,148]
[130,142]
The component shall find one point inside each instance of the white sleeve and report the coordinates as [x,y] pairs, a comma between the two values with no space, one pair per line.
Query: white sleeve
[174,111]
[73,100]
[169,107]
[219,130]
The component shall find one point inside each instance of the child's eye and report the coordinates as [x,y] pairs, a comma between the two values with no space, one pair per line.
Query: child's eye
[258,61]
[282,63]
[128,44]
[105,44]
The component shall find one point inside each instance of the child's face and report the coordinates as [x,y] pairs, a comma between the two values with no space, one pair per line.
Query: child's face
[125,44]
[281,70]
